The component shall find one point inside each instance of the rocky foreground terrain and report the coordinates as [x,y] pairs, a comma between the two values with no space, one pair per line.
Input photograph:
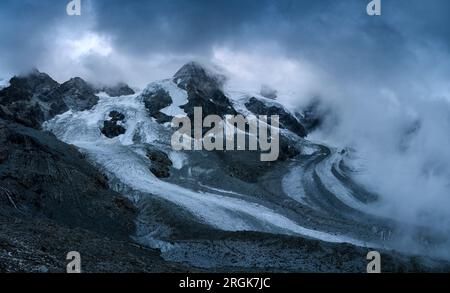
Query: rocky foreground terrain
[90,169]
[52,200]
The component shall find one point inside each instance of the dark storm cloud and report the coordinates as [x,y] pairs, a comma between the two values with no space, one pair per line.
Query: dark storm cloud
[180,25]
[185,25]
[24,28]
[334,33]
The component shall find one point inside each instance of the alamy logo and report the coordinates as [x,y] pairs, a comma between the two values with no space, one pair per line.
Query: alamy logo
[228,134]
[374,265]
[374,8]
[74,266]
[74,8]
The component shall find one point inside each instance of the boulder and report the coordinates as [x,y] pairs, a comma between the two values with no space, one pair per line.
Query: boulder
[160,162]
[113,127]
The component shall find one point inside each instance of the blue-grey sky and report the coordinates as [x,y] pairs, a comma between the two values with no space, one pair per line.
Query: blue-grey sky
[138,38]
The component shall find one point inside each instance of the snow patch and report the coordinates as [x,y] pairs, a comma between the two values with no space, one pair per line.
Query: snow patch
[179,97]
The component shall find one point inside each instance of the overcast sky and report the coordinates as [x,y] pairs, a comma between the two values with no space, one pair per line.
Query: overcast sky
[141,40]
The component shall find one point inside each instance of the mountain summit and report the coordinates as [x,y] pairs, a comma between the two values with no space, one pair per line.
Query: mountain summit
[198,76]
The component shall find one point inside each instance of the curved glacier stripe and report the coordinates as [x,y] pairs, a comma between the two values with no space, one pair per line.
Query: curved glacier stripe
[335,186]
[118,157]
[293,186]
[225,213]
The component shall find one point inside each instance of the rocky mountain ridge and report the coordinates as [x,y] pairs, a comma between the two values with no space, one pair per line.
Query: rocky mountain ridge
[34,98]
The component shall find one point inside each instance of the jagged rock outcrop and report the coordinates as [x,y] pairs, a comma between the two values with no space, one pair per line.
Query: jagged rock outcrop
[27,99]
[287,121]
[113,127]
[155,101]
[34,98]
[195,76]
[23,112]
[34,85]
[77,94]
[204,89]
[161,162]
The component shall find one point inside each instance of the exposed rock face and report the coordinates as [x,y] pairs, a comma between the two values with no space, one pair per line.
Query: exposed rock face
[43,177]
[26,100]
[204,90]
[118,90]
[34,85]
[112,128]
[155,101]
[287,121]
[160,162]
[77,94]
[23,112]
[193,75]
[32,99]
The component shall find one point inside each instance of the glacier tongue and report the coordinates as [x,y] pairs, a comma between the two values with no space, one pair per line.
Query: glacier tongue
[123,158]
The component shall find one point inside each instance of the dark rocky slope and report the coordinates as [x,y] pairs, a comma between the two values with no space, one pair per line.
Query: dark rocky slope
[52,201]
[40,245]
[287,121]
[43,177]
